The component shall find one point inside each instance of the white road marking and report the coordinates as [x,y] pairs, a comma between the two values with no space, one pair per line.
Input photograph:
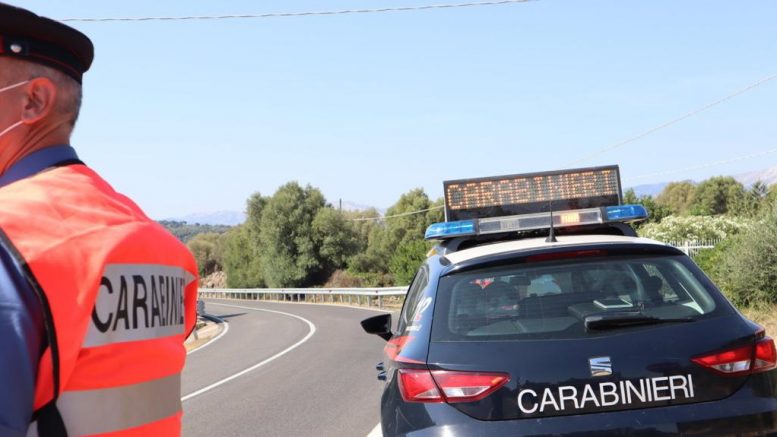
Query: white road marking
[312,331]
[221,334]
[210,299]
[376,432]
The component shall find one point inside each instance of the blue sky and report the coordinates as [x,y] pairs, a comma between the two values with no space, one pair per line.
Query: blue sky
[195,116]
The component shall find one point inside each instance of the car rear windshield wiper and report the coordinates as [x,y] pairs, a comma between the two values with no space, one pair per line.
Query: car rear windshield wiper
[630,318]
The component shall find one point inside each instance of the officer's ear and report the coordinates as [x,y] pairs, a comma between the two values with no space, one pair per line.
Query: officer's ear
[40,100]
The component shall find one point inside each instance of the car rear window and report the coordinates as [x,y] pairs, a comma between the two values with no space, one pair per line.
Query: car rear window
[552,299]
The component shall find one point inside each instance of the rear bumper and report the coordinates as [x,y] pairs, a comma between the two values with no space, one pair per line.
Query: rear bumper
[748,412]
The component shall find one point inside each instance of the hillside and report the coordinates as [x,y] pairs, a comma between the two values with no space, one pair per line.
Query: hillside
[767,176]
[185,231]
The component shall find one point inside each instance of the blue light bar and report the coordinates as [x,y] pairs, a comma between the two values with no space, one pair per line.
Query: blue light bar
[626,213]
[450,229]
[528,222]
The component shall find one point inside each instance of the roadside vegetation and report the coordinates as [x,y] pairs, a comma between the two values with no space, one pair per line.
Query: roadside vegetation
[743,223]
[294,238]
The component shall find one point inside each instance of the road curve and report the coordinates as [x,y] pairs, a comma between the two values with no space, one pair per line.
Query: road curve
[311,372]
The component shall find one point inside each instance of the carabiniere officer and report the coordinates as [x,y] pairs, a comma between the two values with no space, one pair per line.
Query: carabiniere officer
[96,299]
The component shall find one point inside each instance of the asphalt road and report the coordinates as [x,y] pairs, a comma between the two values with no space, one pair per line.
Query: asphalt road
[310,375]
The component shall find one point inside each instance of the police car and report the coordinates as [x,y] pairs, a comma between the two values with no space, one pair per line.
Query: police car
[542,313]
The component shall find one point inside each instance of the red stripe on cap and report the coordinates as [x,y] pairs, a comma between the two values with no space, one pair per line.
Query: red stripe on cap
[33,56]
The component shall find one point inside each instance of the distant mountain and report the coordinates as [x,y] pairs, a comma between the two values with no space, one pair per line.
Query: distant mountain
[649,189]
[229,218]
[234,218]
[767,176]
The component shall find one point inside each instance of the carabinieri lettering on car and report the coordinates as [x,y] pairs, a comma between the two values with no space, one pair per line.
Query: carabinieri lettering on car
[606,394]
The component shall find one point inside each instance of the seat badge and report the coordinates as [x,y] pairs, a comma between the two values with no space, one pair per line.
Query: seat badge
[600,366]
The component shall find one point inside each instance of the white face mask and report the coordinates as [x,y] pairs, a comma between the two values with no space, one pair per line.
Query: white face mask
[18,123]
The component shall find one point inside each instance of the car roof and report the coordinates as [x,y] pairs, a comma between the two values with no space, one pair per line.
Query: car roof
[539,243]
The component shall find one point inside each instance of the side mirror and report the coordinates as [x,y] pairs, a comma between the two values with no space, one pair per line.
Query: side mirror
[378,325]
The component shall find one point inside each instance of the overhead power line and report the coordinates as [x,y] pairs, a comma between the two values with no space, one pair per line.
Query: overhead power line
[705,165]
[300,14]
[673,121]
[364,219]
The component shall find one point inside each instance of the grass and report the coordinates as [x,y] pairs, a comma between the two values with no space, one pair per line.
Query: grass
[764,316]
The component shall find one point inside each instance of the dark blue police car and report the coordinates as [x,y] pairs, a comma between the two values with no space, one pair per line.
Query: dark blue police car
[541,313]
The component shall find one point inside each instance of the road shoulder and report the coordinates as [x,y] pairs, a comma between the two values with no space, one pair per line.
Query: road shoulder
[207,329]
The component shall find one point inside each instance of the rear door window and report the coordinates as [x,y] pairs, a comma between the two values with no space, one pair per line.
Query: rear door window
[410,306]
[552,299]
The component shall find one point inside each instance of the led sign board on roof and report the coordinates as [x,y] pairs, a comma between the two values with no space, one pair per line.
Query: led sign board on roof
[562,190]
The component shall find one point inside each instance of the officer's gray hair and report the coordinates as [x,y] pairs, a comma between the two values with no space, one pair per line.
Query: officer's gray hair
[69,91]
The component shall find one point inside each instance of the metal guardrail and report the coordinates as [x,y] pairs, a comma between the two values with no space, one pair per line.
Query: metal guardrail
[352,296]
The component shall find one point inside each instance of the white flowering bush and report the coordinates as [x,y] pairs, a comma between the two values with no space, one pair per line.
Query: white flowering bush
[696,228]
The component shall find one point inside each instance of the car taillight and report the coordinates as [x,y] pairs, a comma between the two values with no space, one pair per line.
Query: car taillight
[418,385]
[743,360]
[765,355]
[468,386]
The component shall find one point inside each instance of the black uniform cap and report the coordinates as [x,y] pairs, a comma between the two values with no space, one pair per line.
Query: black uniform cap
[27,36]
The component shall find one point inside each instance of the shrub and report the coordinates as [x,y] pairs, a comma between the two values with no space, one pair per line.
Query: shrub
[747,269]
[343,279]
[677,228]
[710,260]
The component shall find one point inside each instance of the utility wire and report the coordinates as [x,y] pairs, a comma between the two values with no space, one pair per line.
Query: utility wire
[300,14]
[705,165]
[674,120]
[364,219]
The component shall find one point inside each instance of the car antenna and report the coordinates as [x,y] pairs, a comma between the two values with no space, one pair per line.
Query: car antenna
[552,235]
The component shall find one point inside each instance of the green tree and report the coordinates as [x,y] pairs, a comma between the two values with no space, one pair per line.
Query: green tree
[717,195]
[242,248]
[403,225]
[630,197]
[395,246]
[407,259]
[370,265]
[241,261]
[747,270]
[364,223]
[254,207]
[336,238]
[403,245]
[753,201]
[208,251]
[771,195]
[437,213]
[289,254]
[656,212]
[677,197]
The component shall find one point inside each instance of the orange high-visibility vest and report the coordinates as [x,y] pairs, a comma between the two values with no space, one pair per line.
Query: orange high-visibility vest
[119,296]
